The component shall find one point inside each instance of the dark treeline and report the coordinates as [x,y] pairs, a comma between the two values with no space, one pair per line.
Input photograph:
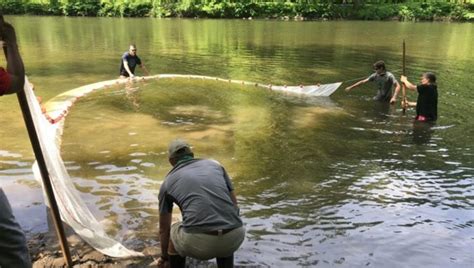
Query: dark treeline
[311,10]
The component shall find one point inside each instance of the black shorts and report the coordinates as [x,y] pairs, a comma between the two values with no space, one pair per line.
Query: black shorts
[124,73]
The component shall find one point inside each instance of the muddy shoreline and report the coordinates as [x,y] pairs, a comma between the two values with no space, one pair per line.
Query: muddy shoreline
[45,252]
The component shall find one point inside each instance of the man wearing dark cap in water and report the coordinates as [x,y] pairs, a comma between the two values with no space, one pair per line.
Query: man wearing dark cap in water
[384,80]
[13,249]
[211,226]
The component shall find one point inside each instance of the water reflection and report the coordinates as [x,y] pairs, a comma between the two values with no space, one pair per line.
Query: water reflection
[303,192]
[422,132]
[336,182]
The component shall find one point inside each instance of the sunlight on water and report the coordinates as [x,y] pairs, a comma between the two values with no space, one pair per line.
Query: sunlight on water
[321,182]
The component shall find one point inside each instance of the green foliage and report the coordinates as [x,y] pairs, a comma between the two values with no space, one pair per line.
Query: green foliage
[37,9]
[136,10]
[459,13]
[81,8]
[109,9]
[365,10]
[377,12]
[433,11]
[161,11]
[12,7]
[406,13]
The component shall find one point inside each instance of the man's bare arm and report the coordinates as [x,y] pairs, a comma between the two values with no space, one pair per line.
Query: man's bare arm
[145,70]
[234,198]
[127,68]
[361,82]
[395,94]
[15,65]
[409,85]
[165,226]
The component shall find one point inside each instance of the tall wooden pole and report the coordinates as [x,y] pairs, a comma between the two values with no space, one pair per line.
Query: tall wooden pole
[30,126]
[404,93]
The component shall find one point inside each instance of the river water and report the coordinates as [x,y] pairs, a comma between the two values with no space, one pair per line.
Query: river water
[340,181]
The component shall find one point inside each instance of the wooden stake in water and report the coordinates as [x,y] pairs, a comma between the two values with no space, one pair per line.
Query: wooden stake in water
[404,93]
[45,176]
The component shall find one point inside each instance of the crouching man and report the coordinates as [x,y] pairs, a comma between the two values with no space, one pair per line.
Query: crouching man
[211,226]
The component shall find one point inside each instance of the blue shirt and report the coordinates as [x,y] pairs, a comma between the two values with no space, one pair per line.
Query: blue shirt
[132,61]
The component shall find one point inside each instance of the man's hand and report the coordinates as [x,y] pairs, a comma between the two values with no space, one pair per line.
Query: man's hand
[2,22]
[145,70]
[348,88]
[15,66]
[162,263]
[7,33]
[403,79]
[393,100]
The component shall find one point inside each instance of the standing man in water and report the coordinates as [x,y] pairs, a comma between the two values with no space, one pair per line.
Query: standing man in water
[384,81]
[211,226]
[130,60]
[13,249]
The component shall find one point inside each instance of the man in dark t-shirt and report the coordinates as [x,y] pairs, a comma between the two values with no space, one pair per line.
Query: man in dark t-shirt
[129,61]
[427,101]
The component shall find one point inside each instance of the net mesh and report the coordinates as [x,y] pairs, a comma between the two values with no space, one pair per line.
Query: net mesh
[72,208]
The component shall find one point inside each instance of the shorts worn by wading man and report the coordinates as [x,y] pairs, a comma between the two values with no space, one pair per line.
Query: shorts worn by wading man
[13,249]
[211,226]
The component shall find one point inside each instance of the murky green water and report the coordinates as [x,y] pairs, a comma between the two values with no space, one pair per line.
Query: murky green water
[322,182]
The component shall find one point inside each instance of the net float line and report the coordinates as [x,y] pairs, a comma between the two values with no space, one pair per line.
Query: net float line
[59,106]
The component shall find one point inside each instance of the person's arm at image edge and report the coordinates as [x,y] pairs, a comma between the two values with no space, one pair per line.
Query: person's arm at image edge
[15,66]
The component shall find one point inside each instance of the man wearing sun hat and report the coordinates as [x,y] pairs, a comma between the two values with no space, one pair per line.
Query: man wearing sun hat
[211,226]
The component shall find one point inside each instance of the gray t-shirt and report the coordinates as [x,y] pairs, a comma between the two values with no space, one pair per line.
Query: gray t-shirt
[201,188]
[384,84]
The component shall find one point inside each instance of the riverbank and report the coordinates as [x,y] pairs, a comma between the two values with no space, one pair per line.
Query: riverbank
[426,11]
[45,252]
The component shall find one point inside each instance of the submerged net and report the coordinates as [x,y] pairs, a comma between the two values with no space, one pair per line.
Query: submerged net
[72,208]
[49,128]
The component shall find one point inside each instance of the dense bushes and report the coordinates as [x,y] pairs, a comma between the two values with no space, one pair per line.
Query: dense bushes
[435,10]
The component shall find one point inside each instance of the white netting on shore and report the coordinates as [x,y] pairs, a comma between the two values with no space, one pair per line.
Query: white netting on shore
[72,208]
[49,128]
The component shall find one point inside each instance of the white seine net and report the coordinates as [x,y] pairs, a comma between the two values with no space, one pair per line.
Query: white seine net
[49,128]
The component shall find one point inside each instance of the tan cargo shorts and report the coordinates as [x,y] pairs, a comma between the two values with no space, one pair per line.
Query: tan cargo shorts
[205,246]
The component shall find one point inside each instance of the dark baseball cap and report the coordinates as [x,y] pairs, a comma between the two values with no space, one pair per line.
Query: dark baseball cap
[179,147]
